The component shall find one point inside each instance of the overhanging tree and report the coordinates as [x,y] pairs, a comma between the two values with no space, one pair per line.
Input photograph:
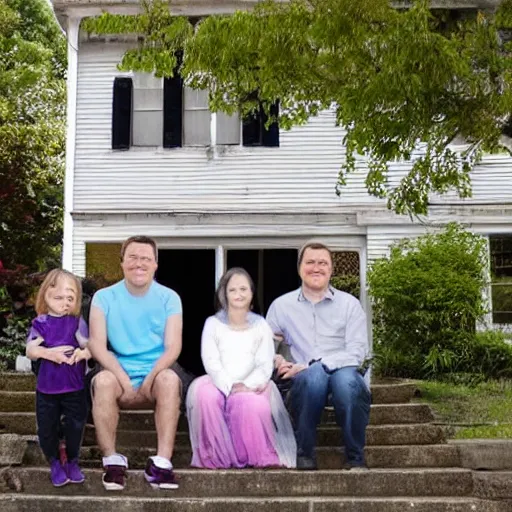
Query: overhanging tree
[405,82]
[32,108]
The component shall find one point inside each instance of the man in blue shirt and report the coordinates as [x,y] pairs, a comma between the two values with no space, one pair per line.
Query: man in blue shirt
[325,331]
[142,321]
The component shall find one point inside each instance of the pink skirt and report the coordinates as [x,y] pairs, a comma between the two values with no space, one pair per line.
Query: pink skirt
[245,429]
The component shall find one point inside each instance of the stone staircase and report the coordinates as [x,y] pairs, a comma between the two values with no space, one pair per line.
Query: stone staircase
[413,468]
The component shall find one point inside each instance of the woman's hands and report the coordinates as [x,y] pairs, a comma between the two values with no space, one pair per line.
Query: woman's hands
[240,387]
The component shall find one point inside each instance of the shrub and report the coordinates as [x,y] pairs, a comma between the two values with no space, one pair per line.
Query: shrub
[17,292]
[347,283]
[427,298]
[13,339]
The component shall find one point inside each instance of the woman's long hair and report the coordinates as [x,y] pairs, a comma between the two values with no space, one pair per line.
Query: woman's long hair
[221,295]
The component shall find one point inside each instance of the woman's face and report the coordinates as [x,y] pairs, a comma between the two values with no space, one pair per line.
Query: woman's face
[239,292]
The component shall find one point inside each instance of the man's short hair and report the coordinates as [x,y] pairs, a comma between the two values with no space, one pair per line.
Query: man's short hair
[139,239]
[312,244]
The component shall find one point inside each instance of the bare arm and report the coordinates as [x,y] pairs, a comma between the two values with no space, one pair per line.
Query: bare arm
[98,348]
[35,351]
[172,343]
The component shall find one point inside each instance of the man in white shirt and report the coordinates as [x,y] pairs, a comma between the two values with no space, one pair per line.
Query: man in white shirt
[325,330]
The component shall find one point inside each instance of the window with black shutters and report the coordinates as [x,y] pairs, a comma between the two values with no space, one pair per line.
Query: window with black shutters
[255,132]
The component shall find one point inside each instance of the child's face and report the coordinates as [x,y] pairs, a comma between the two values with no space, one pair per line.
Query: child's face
[61,299]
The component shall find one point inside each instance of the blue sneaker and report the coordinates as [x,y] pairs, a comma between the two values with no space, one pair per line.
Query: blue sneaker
[57,474]
[74,473]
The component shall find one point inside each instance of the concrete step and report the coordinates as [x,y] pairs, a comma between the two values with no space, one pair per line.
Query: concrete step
[14,399]
[393,393]
[268,483]
[384,391]
[17,381]
[24,423]
[162,501]
[422,433]
[404,456]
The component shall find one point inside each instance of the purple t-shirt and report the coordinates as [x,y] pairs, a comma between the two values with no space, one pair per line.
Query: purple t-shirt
[57,331]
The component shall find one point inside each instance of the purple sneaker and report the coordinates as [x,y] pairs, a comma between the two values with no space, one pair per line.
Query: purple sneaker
[160,478]
[114,478]
[73,471]
[57,474]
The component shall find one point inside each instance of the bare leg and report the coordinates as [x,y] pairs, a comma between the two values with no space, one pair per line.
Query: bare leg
[106,392]
[166,392]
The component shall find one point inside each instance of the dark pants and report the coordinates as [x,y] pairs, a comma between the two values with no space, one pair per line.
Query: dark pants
[61,414]
[350,398]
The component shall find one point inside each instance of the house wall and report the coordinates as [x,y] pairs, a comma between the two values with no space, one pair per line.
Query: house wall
[245,197]
[300,175]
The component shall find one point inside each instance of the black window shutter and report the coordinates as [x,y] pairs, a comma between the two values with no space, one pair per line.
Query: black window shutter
[270,137]
[122,113]
[251,129]
[173,111]
[254,131]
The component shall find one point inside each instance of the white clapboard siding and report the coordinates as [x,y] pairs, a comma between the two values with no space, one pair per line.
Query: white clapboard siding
[380,238]
[300,175]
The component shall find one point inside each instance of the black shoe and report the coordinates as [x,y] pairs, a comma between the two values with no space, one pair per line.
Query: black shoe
[306,463]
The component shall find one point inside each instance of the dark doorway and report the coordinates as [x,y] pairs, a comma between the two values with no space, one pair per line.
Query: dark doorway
[274,272]
[191,273]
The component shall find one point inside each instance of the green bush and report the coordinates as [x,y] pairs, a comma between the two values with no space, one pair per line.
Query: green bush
[17,291]
[347,283]
[427,299]
[13,340]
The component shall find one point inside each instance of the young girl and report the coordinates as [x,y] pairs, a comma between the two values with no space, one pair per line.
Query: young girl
[57,339]
[235,413]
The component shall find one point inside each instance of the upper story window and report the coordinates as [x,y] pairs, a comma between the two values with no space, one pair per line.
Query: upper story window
[149,111]
[148,104]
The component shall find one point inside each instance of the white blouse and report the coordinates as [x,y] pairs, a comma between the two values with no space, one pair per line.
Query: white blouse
[230,356]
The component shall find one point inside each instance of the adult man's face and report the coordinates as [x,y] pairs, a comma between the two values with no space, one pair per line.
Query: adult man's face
[315,269]
[139,265]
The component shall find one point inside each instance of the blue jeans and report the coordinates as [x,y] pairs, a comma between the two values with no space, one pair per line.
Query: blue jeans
[350,398]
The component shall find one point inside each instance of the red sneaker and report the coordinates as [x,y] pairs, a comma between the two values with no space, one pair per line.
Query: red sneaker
[114,478]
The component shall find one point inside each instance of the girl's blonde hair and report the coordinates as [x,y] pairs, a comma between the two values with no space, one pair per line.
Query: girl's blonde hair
[50,281]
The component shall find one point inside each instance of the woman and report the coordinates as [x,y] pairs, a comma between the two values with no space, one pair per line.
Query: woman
[236,415]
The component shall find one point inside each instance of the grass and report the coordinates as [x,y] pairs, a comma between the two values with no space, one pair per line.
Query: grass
[480,411]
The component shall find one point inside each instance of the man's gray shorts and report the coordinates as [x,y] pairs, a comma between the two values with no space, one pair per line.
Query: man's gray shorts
[185,377]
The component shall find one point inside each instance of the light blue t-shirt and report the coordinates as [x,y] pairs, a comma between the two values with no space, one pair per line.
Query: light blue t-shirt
[136,325]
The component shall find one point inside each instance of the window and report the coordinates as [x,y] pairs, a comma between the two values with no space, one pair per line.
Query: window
[149,111]
[196,117]
[228,129]
[147,119]
[254,131]
[501,272]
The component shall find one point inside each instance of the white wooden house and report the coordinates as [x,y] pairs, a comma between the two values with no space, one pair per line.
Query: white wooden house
[213,200]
